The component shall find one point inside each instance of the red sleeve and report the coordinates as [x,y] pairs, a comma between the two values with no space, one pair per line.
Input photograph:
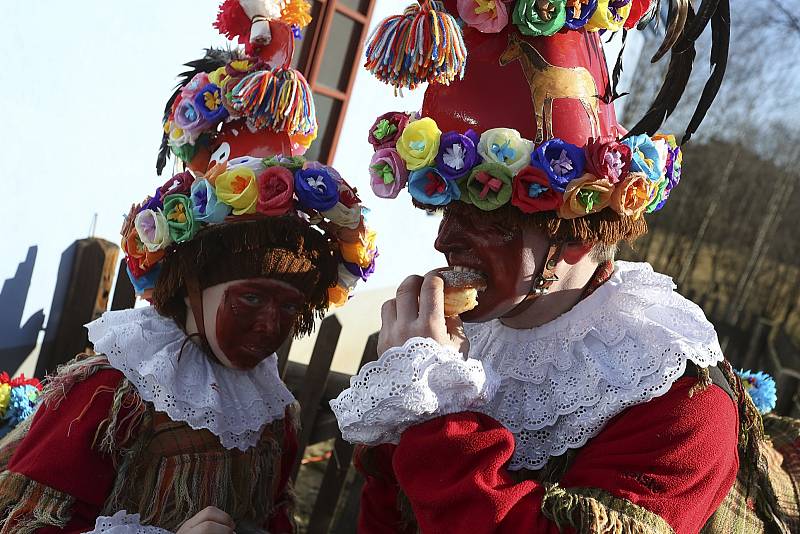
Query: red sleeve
[282,520]
[675,456]
[57,451]
[379,511]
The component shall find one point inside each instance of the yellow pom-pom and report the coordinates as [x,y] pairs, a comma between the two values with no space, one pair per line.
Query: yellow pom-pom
[297,12]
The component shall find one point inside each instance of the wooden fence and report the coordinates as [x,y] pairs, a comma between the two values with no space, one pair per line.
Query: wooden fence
[83,292]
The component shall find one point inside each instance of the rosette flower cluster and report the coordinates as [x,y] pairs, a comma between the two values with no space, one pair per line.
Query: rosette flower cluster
[18,400]
[541,18]
[632,176]
[247,187]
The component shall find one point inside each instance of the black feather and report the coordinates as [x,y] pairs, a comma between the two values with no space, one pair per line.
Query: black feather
[720,45]
[678,13]
[214,59]
[617,72]
[704,14]
[675,81]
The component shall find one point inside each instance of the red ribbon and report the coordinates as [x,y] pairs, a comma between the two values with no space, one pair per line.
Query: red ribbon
[489,182]
[435,184]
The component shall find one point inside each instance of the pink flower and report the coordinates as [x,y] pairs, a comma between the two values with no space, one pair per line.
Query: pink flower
[388,173]
[609,159]
[275,191]
[487,16]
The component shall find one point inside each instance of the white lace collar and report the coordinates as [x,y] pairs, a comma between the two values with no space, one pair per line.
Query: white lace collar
[623,345]
[234,405]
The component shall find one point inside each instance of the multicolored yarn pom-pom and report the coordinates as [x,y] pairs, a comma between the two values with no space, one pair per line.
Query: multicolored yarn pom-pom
[423,45]
[761,388]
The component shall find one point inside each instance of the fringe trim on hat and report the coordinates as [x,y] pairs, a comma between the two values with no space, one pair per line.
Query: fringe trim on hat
[593,511]
[27,506]
[284,248]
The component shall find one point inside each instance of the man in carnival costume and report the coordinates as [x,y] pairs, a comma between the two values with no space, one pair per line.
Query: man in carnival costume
[180,421]
[580,394]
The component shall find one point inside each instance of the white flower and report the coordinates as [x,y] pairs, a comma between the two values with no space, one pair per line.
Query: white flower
[153,230]
[507,147]
[454,157]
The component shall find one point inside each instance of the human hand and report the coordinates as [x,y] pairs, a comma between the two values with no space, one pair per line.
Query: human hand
[209,521]
[418,311]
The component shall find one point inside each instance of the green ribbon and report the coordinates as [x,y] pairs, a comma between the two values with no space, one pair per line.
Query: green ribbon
[384,170]
[384,129]
[588,198]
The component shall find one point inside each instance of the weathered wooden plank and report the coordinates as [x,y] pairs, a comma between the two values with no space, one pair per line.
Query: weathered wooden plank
[124,295]
[313,387]
[338,466]
[283,356]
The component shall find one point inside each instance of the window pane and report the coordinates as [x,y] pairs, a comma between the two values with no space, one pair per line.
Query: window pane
[302,47]
[340,52]
[328,110]
[357,5]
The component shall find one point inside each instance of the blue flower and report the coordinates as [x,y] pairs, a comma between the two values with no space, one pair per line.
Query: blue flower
[22,405]
[209,103]
[205,205]
[587,9]
[428,186]
[761,388]
[561,161]
[644,156]
[145,282]
[316,188]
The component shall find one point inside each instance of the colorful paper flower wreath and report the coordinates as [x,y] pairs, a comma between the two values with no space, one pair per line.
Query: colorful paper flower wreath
[632,177]
[18,400]
[250,187]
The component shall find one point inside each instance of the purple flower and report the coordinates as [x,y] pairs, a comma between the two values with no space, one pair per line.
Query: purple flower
[587,9]
[457,154]
[561,161]
[153,203]
[362,272]
[316,189]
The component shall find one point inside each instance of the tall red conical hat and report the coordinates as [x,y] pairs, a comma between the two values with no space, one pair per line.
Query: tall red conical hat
[518,118]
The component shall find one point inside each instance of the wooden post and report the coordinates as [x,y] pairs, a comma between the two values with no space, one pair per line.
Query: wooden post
[124,295]
[310,395]
[283,357]
[81,295]
[338,466]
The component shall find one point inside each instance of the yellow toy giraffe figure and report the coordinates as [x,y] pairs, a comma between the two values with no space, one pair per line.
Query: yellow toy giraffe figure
[549,82]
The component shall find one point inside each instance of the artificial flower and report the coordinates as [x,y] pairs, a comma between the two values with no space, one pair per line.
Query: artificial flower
[457,154]
[316,188]
[428,186]
[610,15]
[337,178]
[209,103]
[341,215]
[153,230]
[505,146]
[347,279]
[218,77]
[190,90]
[254,164]
[180,184]
[139,258]
[532,191]
[275,191]
[361,252]
[536,18]
[761,388]
[388,174]
[238,189]
[337,296]
[22,404]
[189,119]
[5,397]
[176,136]
[419,143]
[296,13]
[659,191]
[348,195]
[292,162]
[487,16]
[362,272]
[638,10]
[206,207]
[644,156]
[180,218]
[144,282]
[608,158]
[632,196]
[387,129]
[579,12]
[488,186]
[561,161]
[588,194]
[154,202]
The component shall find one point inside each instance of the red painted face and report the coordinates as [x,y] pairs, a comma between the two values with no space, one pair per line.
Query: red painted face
[254,318]
[505,255]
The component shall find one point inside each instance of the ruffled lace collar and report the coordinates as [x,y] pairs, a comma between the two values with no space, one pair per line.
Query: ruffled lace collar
[234,405]
[623,345]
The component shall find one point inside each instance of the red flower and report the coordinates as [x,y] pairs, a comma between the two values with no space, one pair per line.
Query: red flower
[532,191]
[22,381]
[180,184]
[608,158]
[275,191]
[638,9]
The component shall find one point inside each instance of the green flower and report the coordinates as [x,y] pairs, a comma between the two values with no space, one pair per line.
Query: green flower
[540,17]
[180,218]
[383,129]
[488,186]
[659,195]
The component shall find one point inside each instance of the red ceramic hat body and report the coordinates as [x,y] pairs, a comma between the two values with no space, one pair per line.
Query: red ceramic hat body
[543,87]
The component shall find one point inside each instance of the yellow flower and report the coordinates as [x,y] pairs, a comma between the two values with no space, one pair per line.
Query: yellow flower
[213,100]
[218,76]
[588,194]
[238,189]
[419,143]
[361,252]
[5,398]
[337,296]
[603,19]
[633,195]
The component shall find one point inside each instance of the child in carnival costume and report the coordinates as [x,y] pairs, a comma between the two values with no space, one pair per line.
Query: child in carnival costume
[179,420]
[581,394]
